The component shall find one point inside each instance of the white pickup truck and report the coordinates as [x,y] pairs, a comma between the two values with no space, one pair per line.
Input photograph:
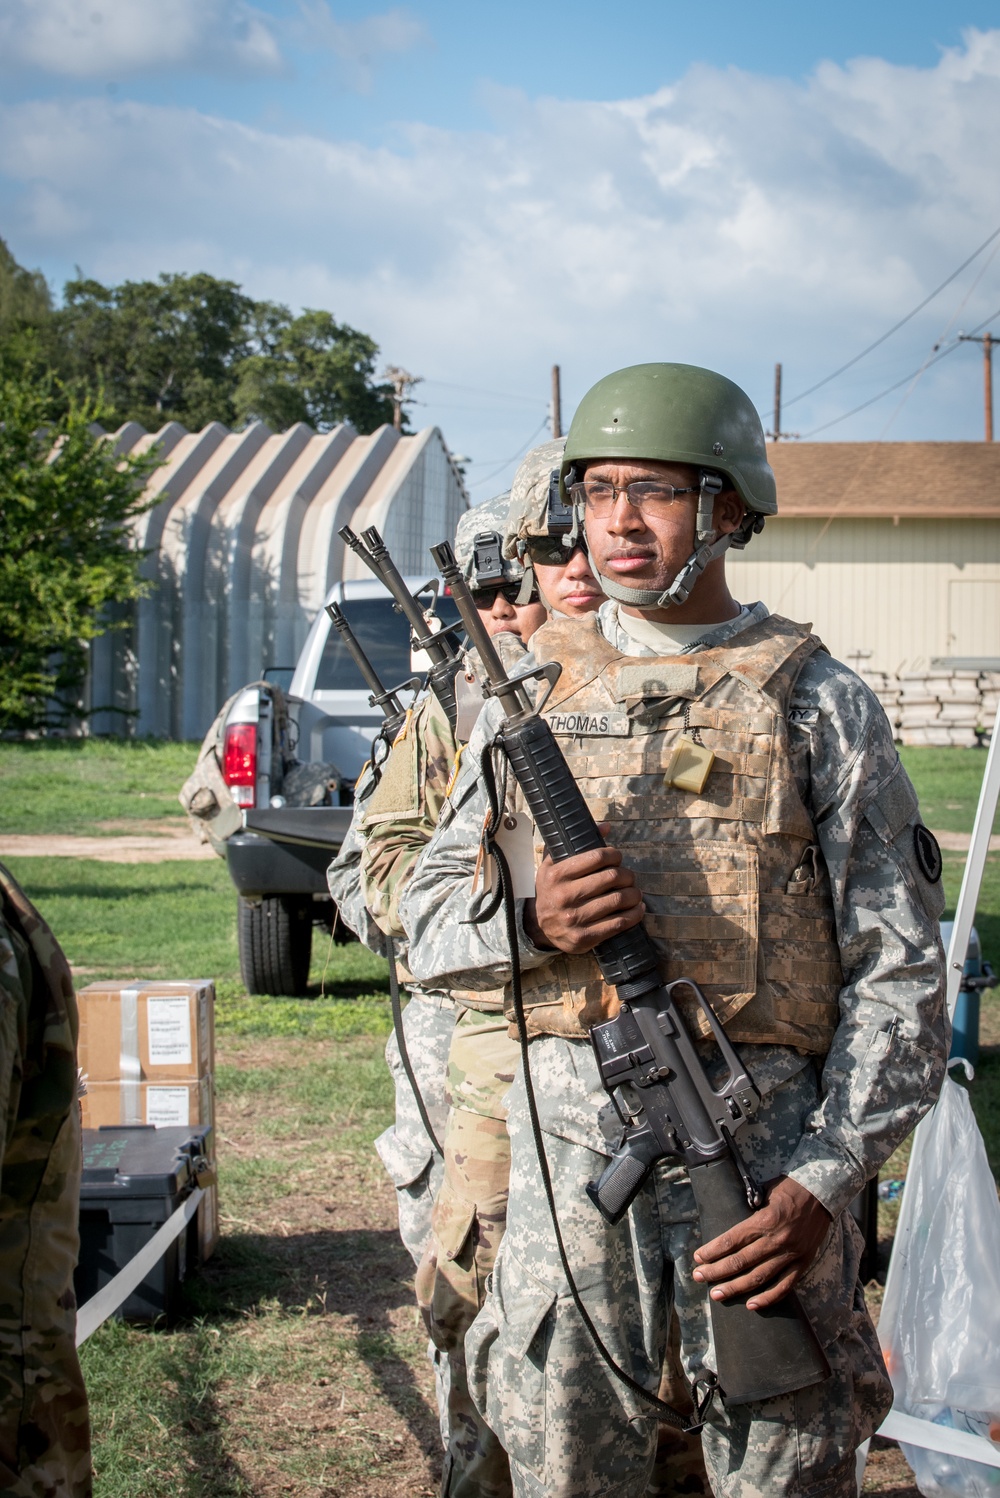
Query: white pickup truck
[290,759]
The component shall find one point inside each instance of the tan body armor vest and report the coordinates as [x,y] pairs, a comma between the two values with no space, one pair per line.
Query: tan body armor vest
[737,893]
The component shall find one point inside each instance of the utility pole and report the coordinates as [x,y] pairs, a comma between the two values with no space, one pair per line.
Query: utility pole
[402,383]
[556,413]
[778,435]
[987,340]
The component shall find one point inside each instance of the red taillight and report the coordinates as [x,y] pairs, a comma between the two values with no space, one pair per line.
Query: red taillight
[239,761]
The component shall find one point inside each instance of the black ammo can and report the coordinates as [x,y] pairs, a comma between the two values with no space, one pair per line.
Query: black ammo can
[134,1179]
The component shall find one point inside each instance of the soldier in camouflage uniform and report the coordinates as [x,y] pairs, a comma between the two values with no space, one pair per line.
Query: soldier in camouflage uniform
[406,1150]
[44,1424]
[470,1206]
[794,881]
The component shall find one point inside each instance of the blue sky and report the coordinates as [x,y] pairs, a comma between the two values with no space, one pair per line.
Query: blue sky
[489,189]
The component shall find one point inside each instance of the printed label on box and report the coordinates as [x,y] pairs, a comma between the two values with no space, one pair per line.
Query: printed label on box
[168,1106]
[169,1031]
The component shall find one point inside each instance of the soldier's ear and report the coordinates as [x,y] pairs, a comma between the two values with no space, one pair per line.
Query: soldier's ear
[728,512]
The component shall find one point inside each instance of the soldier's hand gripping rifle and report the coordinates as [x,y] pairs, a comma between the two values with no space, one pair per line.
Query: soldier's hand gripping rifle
[387,698]
[440,647]
[647,1059]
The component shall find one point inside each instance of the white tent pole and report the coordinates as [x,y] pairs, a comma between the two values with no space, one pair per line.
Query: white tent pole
[975,865]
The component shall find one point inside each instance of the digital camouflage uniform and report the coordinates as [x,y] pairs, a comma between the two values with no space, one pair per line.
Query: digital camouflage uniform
[540,525]
[405,1149]
[44,1424]
[471,1206]
[429,1021]
[839,1094]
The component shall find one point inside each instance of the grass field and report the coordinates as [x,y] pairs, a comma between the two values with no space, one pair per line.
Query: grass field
[92,785]
[299,1365]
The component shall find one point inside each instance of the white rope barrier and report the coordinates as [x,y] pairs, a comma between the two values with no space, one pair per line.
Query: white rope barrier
[107,1300]
[912,1431]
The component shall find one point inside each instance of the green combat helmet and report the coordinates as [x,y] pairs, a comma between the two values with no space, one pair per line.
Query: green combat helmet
[541,526]
[479,540]
[678,413]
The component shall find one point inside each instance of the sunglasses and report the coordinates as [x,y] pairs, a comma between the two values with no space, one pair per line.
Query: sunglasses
[485,598]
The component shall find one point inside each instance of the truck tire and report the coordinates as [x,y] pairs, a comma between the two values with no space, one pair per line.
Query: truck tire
[275,941]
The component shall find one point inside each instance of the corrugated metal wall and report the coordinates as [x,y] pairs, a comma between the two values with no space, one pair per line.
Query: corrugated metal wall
[242,549]
[906,592]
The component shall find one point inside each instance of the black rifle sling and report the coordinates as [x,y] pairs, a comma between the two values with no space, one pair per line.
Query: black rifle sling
[659,1407]
[404,1055]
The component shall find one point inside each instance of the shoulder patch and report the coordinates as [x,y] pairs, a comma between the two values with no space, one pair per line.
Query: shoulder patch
[928,853]
[396,793]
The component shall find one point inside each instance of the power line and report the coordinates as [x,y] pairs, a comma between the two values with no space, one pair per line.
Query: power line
[894,329]
[882,393]
[519,454]
[503,395]
[927,362]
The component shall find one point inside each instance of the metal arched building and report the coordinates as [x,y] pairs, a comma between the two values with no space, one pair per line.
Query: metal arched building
[241,549]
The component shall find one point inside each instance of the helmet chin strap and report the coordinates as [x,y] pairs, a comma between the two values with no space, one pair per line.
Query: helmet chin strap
[708,546]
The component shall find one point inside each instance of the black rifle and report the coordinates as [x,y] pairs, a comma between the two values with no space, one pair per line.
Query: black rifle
[647,1058]
[387,698]
[441,649]
[395,716]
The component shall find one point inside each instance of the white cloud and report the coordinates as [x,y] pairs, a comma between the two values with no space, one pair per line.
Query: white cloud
[113,39]
[356,44]
[729,219]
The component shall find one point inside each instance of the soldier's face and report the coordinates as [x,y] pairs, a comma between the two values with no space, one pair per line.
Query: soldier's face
[570,587]
[501,617]
[643,549]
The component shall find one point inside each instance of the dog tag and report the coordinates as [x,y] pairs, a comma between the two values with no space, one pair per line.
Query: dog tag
[516,838]
[689,767]
[469,701]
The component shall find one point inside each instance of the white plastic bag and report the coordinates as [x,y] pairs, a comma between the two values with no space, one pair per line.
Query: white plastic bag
[940,1320]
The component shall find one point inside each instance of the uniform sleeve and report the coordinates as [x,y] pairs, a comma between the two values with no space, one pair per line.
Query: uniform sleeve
[403,812]
[885,1066]
[343,877]
[446,891]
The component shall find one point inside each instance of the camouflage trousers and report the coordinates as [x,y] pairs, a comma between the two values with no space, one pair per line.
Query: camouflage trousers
[44,1424]
[414,1166]
[468,1223]
[570,1429]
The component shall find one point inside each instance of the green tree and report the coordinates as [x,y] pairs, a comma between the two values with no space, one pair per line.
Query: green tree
[65,506]
[27,327]
[311,368]
[196,349]
[158,351]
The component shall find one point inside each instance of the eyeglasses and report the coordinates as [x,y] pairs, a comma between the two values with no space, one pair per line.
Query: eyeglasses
[651,495]
[485,598]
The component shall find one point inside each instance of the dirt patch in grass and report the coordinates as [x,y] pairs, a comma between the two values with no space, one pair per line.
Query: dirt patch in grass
[887,1471]
[300,1366]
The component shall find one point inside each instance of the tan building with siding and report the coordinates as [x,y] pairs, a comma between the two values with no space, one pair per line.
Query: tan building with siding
[891,548]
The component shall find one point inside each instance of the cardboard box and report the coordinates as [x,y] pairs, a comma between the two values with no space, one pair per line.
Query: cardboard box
[171,1104]
[148,1032]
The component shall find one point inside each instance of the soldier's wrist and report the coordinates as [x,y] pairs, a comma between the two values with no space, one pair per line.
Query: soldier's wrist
[532,930]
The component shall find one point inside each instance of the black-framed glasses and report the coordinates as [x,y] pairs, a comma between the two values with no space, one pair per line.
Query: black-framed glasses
[652,495]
